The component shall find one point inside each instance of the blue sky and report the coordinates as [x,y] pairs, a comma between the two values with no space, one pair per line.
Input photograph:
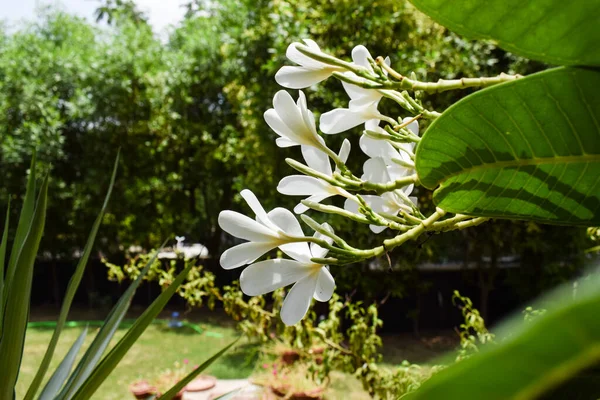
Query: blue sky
[161,12]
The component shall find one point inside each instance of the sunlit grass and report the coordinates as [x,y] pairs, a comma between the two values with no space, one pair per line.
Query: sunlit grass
[157,350]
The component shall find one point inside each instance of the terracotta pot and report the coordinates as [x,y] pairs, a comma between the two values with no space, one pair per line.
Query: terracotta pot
[290,356]
[142,390]
[202,383]
[313,394]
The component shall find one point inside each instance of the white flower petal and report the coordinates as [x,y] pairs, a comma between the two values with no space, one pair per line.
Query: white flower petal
[254,204]
[340,120]
[413,126]
[377,203]
[298,300]
[293,54]
[266,276]
[244,227]
[360,56]
[378,148]
[344,150]
[293,77]
[396,171]
[274,121]
[288,111]
[317,160]
[375,171]
[377,228]
[299,251]
[285,142]
[302,185]
[351,206]
[244,253]
[325,286]
[286,221]
[318,251]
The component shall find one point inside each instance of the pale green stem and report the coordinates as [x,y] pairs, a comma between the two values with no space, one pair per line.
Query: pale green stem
[442,85]
[298,166]
[314,225]
[411,234]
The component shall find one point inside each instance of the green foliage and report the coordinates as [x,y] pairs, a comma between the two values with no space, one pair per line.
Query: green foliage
[93,367]
[528,149]
[552,31]
[319,343]
[187,113]
[533,357]
[473,330]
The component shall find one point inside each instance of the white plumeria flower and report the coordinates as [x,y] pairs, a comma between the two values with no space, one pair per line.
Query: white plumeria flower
[309,71]
[278,228]
[311,280]
[376,170]
[363,102]
[293,122]
[384,149]
[317,189]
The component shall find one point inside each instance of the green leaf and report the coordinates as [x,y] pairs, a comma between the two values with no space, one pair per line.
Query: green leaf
[71,289]
[183,383]
[18,292]
[106,366]
[62,372]
[527,149]
[554,31]
[2,260]
[532,357]
[23,225]
[94,353]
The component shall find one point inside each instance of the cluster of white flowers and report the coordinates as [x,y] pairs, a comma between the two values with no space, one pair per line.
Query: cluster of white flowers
[295,125]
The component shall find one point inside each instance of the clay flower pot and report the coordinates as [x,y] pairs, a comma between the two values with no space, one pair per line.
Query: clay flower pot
[290,356]
[142,390]
[202,383]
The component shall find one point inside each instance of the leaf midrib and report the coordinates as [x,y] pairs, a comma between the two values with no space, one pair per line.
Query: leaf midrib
[523,162]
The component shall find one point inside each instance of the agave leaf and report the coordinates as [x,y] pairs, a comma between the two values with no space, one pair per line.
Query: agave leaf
[61,373]
[18,293]
[23,225]
[2,259]
[182,383]
[94,353]
[106,366]
[71,289]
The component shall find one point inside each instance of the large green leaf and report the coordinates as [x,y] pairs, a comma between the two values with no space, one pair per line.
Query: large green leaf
[527,149]
[71,289]
[18,292]
[554,31]
[116,354]
[532,357]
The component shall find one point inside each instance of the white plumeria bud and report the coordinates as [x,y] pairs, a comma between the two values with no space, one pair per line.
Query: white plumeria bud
[317,189]
[376,171]
[363,102]
[311,280]
[309,71]
[384,149]
[278,228]
[293,122]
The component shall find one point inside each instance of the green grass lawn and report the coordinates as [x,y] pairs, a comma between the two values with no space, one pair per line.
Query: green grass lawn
[160,347]
[157,350]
